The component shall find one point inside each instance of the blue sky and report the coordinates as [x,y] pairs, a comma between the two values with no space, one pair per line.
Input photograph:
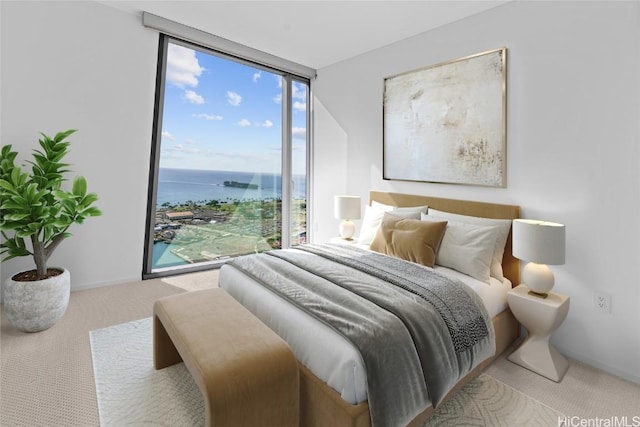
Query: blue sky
[223,115]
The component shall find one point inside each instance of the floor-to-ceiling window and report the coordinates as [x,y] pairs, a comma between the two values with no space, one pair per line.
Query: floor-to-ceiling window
[229,166]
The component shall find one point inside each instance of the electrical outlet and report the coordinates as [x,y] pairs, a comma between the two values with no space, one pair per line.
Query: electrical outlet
[602,302]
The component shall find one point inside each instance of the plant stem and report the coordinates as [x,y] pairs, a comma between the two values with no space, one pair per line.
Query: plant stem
[54,244]
[39,256]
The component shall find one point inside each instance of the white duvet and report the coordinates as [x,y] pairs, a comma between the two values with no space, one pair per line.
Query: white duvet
[323,351]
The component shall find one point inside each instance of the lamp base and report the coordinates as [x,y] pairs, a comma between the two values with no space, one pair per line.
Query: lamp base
[538,294]
[347,229]
[538,277]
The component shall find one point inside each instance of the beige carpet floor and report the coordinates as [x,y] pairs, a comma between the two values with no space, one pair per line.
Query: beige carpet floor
[46,379]
[584,392]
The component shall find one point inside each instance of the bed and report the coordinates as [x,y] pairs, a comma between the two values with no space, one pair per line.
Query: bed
[333,381]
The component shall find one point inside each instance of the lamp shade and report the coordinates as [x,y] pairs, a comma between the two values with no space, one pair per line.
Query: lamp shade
[346,207]
[540,242]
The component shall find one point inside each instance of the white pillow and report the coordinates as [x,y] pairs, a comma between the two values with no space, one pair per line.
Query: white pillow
[467,248]
[370,224]
[504,226]
[373,217]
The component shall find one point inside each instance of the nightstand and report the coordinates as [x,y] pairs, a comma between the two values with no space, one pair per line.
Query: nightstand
[344,241]
[540,316]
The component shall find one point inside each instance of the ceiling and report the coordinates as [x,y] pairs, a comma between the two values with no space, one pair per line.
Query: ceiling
[311,33]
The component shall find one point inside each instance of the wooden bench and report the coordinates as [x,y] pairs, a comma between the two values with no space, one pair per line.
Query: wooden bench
[247,374]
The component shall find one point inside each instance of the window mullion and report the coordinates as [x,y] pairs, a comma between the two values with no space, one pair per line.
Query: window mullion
[286,161]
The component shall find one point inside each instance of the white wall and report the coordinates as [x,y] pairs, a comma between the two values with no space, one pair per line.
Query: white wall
[330,164]
[573,151]
[86,66]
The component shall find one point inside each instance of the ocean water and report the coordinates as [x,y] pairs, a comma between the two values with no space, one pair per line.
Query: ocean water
[177,186]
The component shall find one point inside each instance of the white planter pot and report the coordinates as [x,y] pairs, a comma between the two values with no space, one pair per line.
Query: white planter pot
[36,306]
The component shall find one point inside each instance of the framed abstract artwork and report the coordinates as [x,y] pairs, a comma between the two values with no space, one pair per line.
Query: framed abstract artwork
[447,122]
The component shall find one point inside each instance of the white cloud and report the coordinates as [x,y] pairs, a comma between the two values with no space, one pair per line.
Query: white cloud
[183,68]
[299,148]
[298,132]
[182,149]
[233,98]
[265,124]
[167,135]
[193,97]
[205,116]
[256,76]
[244,123]
[299,91]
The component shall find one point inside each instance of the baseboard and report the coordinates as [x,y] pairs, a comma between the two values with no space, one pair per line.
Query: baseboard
[86,286]
[602,366]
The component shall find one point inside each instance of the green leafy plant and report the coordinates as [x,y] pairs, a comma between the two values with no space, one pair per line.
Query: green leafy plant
[34,205]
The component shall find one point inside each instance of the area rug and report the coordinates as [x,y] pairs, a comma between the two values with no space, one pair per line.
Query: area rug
[485,401]
[131,392]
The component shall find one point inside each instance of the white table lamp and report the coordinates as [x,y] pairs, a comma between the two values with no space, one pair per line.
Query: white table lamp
[347,208]
[540,243]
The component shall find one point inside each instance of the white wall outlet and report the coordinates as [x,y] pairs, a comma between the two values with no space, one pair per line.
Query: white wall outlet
[602,302]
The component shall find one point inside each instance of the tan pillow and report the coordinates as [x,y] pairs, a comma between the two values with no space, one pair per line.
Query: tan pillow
[409,239]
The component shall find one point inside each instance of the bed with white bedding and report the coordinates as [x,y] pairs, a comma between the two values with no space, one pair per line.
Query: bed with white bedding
[333,373]
[341,368]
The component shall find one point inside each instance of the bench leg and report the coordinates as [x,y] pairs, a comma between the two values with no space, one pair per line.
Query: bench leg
[164,352]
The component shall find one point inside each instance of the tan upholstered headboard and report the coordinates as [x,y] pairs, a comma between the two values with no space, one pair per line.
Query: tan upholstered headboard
[510,265]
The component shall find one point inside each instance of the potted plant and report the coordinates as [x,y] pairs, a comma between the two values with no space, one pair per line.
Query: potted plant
[35,207]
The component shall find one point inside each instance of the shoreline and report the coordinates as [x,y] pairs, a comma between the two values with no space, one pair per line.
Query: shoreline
[193,232]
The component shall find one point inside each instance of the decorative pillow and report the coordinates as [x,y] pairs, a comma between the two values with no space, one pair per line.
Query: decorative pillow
[409,239]
[504,226]
[373,216]
[467,248]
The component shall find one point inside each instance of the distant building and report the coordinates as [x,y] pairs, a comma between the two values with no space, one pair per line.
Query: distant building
[174,216]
